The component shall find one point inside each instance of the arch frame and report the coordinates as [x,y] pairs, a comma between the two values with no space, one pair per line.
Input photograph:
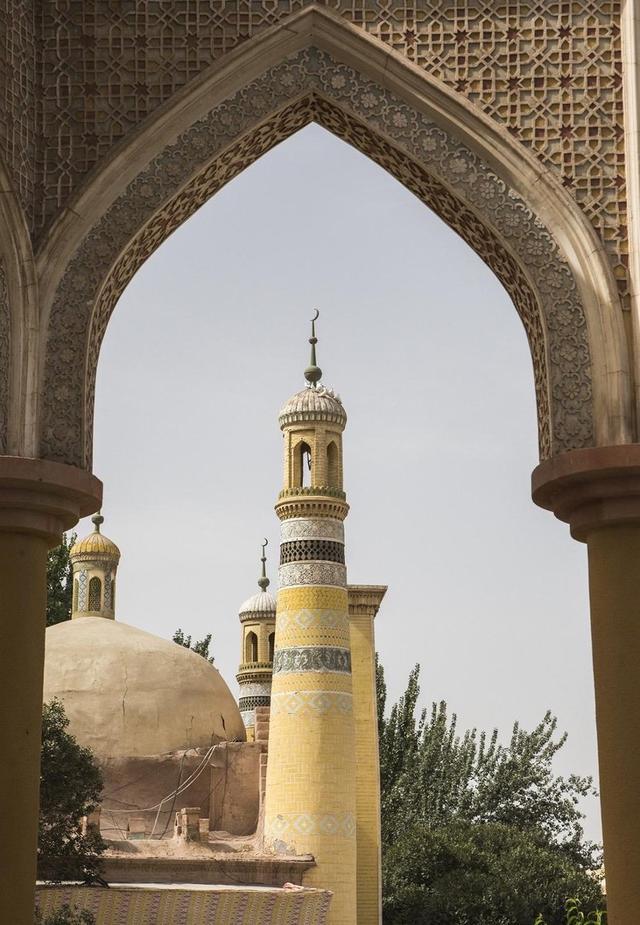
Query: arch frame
[568,298]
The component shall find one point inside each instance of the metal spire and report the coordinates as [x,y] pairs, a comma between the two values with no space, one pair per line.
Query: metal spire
[98,520]
[263,581]
[313,373]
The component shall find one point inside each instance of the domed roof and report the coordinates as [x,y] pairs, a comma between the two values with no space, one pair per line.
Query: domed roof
[261,604]
[128,693]
[95,544]
[313,404]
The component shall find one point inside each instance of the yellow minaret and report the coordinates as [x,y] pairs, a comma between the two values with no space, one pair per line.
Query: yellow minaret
[310,793]
[258,620]
[94,561]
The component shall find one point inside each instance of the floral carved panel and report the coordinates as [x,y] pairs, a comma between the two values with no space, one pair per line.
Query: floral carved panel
[446,175]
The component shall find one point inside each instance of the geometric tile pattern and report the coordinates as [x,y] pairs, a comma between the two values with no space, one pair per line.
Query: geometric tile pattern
[313,626]
[214,906]
[309,824]
[549,71]
[18,106]
[301,550]
[294,702]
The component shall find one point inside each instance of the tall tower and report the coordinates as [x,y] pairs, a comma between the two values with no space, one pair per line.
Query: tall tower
[258,621]
[310,793]
[95,562]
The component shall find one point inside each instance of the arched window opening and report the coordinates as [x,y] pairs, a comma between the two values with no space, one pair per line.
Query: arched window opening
[95,593]
[251,648]
[303,466]
[333,466]
[75,594]
[272,645]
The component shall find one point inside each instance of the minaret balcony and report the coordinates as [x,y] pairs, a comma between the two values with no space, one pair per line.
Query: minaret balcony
[254,671]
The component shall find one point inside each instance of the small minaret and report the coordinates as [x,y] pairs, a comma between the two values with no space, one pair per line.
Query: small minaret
[310,792]
[95,563]
[258,621]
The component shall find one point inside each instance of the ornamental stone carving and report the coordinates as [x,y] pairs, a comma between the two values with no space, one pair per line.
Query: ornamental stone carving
[312,658]
[549,71]
[5,356]
[439,169]
[302,529]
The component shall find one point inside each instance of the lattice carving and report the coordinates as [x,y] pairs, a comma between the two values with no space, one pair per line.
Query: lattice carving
[5,356]
[304,550]
[442,172]
[18,105]
[548,69]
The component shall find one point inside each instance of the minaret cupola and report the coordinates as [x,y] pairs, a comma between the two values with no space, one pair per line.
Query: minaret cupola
[258,621]
[312,423]
[95,562]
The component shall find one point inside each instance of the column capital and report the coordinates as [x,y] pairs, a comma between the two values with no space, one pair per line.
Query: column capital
[44,498]
[591,488]
[365,599]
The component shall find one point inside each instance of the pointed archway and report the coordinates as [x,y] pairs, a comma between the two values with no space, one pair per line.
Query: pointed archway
[484,184]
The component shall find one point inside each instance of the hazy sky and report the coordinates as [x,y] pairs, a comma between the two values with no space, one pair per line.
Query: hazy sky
[487,592]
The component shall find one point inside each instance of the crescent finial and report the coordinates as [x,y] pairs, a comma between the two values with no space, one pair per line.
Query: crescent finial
[263,581]
[313,373]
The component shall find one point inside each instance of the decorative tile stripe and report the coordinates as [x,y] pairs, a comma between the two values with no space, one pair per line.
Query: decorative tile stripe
[312,617]
[312,658]
[302,528]
[250,703]
[320,598]
[329,824]
[311,550]
[255,688]
[319,702]
[310,681]
[217,906]
[313,573]
[313,627]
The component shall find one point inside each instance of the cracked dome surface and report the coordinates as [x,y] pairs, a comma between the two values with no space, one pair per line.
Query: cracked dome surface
[129,693]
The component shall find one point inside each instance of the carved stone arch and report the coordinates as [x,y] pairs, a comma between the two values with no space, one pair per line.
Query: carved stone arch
[471,173]
[18,324]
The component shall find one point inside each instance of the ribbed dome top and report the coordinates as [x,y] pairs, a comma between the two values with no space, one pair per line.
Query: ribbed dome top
[95,544]
[263,604]
[313,404]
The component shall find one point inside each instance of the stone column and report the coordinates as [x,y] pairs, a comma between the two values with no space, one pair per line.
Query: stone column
[364,602]
[597,492]
[38,501]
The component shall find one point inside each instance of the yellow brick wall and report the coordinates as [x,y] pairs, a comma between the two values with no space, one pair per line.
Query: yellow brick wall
[310,803]
[363,605]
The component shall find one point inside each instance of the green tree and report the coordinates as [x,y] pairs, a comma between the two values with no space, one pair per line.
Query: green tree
[201,647]
[59,581]
[475,831]
[70,788]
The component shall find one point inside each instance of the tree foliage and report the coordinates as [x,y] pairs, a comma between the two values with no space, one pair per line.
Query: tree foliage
[201,647]
[59,581]
[70,788]
[473,830]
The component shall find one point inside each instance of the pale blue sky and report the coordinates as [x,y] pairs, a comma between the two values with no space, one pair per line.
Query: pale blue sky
[486,591]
